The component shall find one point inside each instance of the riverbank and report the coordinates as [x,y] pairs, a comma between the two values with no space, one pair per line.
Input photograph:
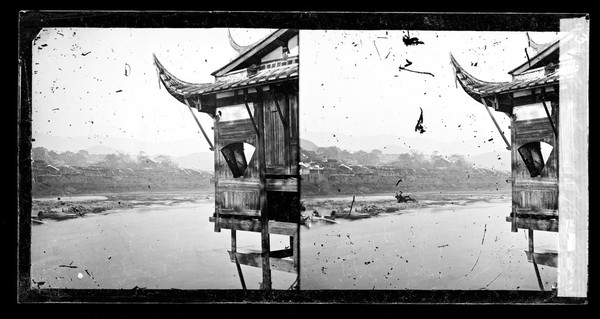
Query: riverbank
[374,204]
[68,207]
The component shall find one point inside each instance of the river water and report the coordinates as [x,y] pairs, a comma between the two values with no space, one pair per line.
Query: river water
[154,247]
[454,247]
[175,246]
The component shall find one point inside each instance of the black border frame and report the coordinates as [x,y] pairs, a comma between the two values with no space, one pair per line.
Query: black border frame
[31,22]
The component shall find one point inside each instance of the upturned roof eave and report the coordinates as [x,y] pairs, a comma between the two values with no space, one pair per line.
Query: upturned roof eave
[489,89]
[181,90]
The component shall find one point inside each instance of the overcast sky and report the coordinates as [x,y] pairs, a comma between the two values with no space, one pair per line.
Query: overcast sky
[101,83]
[351,84]
[80,86]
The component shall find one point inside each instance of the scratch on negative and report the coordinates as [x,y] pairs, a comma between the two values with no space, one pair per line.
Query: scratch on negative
[401,68]
[484,230]
[492,281]
[476,261]
[377,50]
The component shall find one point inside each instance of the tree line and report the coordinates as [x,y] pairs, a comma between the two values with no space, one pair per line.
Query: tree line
[413,159]
[83,158]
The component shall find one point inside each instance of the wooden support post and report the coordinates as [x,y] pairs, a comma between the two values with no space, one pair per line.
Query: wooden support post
[217,228]
[264,216]
[535,267]
[514,159]
[199,125]
[296,241]
[237,264]
[508,147]
[294,247]
[250,113]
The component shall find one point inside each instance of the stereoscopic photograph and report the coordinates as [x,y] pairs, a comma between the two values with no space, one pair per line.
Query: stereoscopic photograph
[304,161]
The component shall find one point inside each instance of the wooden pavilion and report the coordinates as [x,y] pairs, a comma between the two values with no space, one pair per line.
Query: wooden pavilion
[254,105]
[531,100]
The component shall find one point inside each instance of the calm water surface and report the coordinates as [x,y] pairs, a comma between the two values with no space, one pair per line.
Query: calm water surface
[455,247]
[156,247]
[174,246]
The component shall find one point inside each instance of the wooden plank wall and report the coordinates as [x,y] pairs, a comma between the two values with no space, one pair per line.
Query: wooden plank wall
[240,193]
[538,130]
[281,150]
[231,132]
[275,144]
[573,202]
[535,193]
[281,153]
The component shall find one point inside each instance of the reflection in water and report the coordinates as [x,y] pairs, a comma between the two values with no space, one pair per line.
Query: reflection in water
[154,247]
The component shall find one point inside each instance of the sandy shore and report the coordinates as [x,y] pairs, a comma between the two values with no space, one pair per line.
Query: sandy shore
[68,207]
[376,204]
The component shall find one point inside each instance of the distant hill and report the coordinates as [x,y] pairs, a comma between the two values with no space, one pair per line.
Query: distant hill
[101,149]
[495,160]
[393,144]
[125,145]
[492,160]
[394,149]
[203,161]
[308,145]
[179,150]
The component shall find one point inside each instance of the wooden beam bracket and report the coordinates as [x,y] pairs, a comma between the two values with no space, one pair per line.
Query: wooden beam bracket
[250,113]
[274,96]
[508,146]
[199,125]
[548,113]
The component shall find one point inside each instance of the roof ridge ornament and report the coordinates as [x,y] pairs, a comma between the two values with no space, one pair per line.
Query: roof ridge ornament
[537,47]
[240,49]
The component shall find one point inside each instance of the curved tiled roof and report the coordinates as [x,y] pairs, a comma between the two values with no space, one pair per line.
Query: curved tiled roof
[477,88]
[177,88]
[182,89]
